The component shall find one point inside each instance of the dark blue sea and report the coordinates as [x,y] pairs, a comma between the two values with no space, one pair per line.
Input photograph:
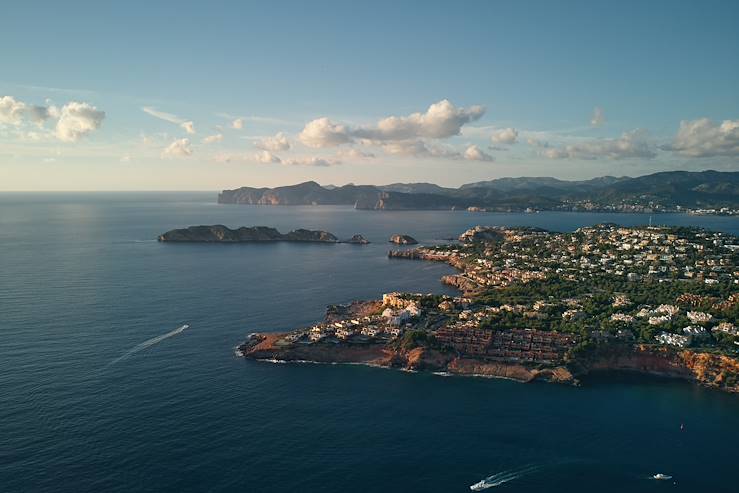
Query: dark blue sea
[92,399]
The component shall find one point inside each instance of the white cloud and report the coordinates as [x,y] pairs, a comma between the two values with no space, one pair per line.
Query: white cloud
[15,112]
[322,132]
[407,148]
[237,124]
[212,139]
[189,127]
[633,144]
[441,120]
[505,136]
[178,148]
[474,153]
[424,149]
[312,161]
[276,143]
[705,138]
[598,118]
[167,117]
[266,157]
[12,111]
[77,120]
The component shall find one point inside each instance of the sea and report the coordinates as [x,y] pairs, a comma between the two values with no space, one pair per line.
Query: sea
[102,389]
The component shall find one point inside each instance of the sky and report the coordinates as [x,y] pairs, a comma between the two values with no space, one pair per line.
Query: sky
[211,95]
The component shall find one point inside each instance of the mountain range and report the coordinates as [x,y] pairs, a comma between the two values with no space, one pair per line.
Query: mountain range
[669,190]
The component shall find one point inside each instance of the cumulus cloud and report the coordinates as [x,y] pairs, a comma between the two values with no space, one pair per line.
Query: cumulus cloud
[505,136]
[598,118]
[633,144]
[12,111]
[74,120]
[77,120]
[474,153]
[705,138]
[439,121]
[177,149]
[424,149]
[212,139]
[322,132]
[407,148]
[276,143]
[237,124]
[266,157]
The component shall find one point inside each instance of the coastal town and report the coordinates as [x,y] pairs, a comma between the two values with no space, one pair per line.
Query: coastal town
[540,299]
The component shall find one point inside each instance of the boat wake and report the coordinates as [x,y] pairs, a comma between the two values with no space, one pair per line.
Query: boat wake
[148,343]
[503,477]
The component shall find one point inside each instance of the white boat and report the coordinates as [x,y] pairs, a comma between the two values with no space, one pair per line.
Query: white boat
[480,485]
[661,476]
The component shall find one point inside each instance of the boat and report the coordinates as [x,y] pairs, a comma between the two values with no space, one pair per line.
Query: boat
[480,485]
[661,476]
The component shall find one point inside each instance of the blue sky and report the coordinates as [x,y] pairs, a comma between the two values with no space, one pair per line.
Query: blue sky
[98,96]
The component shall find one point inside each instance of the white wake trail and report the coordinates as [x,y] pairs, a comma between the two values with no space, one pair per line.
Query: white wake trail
[506,476]
[148,343]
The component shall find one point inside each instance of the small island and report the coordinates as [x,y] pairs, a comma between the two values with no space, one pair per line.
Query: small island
[222,234]
[402,240]
[538,305]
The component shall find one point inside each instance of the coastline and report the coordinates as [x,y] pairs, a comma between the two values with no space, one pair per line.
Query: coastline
[687,366]
[547,338]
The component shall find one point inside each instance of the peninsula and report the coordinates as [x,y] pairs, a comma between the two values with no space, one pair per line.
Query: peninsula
[538,305]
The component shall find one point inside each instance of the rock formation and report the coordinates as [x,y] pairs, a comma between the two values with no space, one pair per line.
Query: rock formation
[403,240]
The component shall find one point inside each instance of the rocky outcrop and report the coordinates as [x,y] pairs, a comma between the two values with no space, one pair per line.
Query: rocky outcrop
[513,371]
[403,240]
[463,283]
[221,234]
[482,233]
[356,240]
[270,347]
[707,369]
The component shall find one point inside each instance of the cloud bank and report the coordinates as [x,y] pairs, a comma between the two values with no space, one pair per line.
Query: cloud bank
[441,120]
[704,138]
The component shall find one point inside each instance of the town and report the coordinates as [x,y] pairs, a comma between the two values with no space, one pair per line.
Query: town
[538,297]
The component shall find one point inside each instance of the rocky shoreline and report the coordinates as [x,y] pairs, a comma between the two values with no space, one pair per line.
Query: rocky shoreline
[699,368]
[266,347]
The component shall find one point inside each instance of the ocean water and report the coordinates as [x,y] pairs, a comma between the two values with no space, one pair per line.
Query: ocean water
[99,391]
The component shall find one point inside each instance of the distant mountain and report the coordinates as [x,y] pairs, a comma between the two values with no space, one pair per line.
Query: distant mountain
[415,188]
[535,183]
[655,192]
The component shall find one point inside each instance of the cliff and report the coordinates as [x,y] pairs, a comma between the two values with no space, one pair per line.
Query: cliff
[221,234]
[707,369]
[270,347]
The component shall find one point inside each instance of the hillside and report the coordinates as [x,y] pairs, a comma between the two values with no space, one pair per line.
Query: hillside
[664,191]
